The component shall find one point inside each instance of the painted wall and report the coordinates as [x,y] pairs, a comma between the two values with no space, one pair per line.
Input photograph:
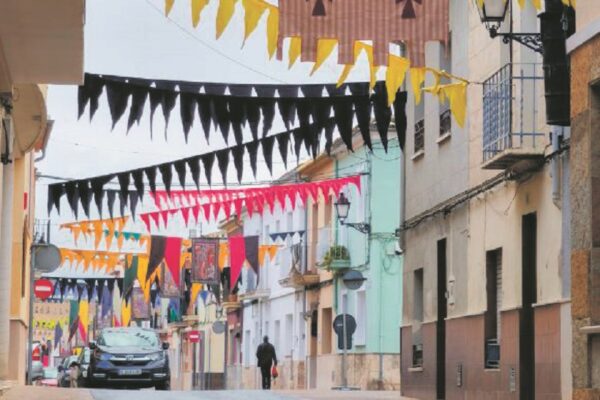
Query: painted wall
[379,204]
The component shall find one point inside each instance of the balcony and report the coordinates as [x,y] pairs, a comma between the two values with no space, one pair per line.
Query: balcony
[294,272]
[513,112]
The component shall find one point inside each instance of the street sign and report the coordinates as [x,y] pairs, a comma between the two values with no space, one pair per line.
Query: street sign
[353,279]
[43,288]
[338,327]
[218,327]
[194,336]
[47,257]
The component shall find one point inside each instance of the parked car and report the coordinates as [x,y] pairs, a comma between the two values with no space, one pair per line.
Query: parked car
[129,357]
[84,362]
[49,378]
[63,371]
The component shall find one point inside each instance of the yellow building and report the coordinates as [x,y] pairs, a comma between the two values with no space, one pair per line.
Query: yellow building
[40,43]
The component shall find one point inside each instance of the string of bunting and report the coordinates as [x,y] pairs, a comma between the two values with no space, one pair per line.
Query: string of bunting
[231,112]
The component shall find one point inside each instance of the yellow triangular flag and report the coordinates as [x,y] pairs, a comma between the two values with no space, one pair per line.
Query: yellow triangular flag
[395,74]
[521,3]
[253,11]
[344,75]
[196,288]
[223,255]
[295,50]
[537,4]
[197,7]
[272,30]
[85,228]
[224,14]
[84,316]
[417,78]
[76,231]
[142,271]
[168,6]
[456,93]
[324,49]
[125,313]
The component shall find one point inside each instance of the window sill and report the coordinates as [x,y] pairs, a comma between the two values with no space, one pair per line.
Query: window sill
[415,369]
[491,370]
[418,155]
[444,138]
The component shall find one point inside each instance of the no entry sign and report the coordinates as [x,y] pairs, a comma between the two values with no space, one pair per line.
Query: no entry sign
[194,336]
[42,288]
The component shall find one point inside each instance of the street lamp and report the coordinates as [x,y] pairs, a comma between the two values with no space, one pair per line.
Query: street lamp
[493,14]
[342,208]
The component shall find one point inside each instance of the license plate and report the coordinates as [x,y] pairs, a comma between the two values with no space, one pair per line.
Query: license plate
[128,372]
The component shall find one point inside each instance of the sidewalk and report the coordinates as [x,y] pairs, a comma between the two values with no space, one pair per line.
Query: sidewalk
[45,393]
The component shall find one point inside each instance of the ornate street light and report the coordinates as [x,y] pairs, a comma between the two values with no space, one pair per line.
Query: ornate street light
[493,14]
[342,208]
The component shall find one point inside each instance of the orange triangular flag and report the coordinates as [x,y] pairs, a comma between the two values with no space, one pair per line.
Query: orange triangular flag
[273,249]
[262,251]
[120,240]
[98,225]
[223,255]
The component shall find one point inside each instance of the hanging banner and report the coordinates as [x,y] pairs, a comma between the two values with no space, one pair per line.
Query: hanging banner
[168,286]
[140,308]
[205,256]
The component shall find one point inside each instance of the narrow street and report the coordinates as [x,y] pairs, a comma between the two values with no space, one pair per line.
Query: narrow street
[21,393]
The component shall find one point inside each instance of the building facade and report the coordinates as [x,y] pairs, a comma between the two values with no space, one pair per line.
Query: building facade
[584,51]
[39,44]
[486,279]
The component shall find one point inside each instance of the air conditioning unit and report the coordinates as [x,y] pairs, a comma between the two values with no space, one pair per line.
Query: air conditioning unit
[492,354]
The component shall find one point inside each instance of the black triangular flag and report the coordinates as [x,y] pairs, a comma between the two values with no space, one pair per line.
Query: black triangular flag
[180,170]
[267,148]
[298,134]
[120,286]
[283,141]
[253,114]
[133,201]
[55,192]
[123,178]
[252,148]
[223,161]
[111,285]
[167,176]
[329,128]
[400,118]
[111,195]
[151,176]
[362,107]
[187,108]
[194,165]
[287,110]
[138,182]
[237,116]
[304,108]
[220,115]
[139,94]
[90,91]
[100,289]
[267,107]
[168,103]
[204,111]
[383,113]
[208,160]
[156,98]
[73,196]
[238,160]
[343,119]
[117,94]
[97,185]
[314,91]
[240,90]
[85,196]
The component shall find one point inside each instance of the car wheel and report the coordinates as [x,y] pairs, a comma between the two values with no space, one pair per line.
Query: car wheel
[163,386]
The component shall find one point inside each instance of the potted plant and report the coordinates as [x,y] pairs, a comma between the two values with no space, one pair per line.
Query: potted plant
[337,257]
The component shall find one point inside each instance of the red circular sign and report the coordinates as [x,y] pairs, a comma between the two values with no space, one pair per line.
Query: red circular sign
[194,336]
[43,288]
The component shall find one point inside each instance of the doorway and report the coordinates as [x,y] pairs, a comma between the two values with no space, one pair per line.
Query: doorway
[441,321]
[529,297]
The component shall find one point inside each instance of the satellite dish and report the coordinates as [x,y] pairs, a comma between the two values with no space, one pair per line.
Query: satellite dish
[47,257]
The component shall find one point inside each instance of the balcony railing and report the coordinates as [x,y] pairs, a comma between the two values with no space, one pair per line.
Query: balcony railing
[445,123]
[420,136]
[513,111]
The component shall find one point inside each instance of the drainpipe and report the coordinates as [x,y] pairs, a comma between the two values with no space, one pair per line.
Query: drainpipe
[6,259]
[556,136]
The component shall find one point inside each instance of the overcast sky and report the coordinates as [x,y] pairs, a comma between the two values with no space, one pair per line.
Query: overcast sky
[134,38]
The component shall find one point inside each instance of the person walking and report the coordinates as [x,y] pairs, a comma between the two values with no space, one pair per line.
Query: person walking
[266,360]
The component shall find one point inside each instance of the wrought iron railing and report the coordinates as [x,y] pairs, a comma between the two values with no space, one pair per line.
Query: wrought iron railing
[445,122]
[420,136]
[513,109]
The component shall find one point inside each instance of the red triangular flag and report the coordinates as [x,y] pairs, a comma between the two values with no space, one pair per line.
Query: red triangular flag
[185,213]
[206,210]
[154,216]
[173,257]
[237,256]
[227,209]
[196,212]
[292,195]
[146,219]
[237,204]
[216,209]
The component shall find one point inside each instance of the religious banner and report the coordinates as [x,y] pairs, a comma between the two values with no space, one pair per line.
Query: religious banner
[140,308]
[168,286]
[205,256]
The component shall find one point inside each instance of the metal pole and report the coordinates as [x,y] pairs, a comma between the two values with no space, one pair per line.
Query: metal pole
[345,354]
[30,326]
[209,355]
[194,368]
[225,351]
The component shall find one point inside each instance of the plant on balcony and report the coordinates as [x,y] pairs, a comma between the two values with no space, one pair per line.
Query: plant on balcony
[336,257]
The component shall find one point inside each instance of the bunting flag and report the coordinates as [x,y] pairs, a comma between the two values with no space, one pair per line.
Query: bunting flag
[170,204]
[129,276]
[285,235]
[237,253]
[125,313]
[413,22]
[97,259]
[172,256]
[157,254]
[99,229]
[252,252]
[73,318]
[84,319]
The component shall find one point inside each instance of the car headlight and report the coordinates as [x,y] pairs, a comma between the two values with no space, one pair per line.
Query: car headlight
[102,356]
[156,356]
[84,373]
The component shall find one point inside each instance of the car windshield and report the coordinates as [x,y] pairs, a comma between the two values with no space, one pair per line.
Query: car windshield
[50,373]
[122,338]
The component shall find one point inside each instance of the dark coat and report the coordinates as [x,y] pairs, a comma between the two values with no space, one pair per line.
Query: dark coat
[266,355]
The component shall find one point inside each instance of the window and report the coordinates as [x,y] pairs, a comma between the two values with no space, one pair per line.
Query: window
[445,122]
[360,336]
[289,334]
[493,289]
[420,136]
[417,359]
